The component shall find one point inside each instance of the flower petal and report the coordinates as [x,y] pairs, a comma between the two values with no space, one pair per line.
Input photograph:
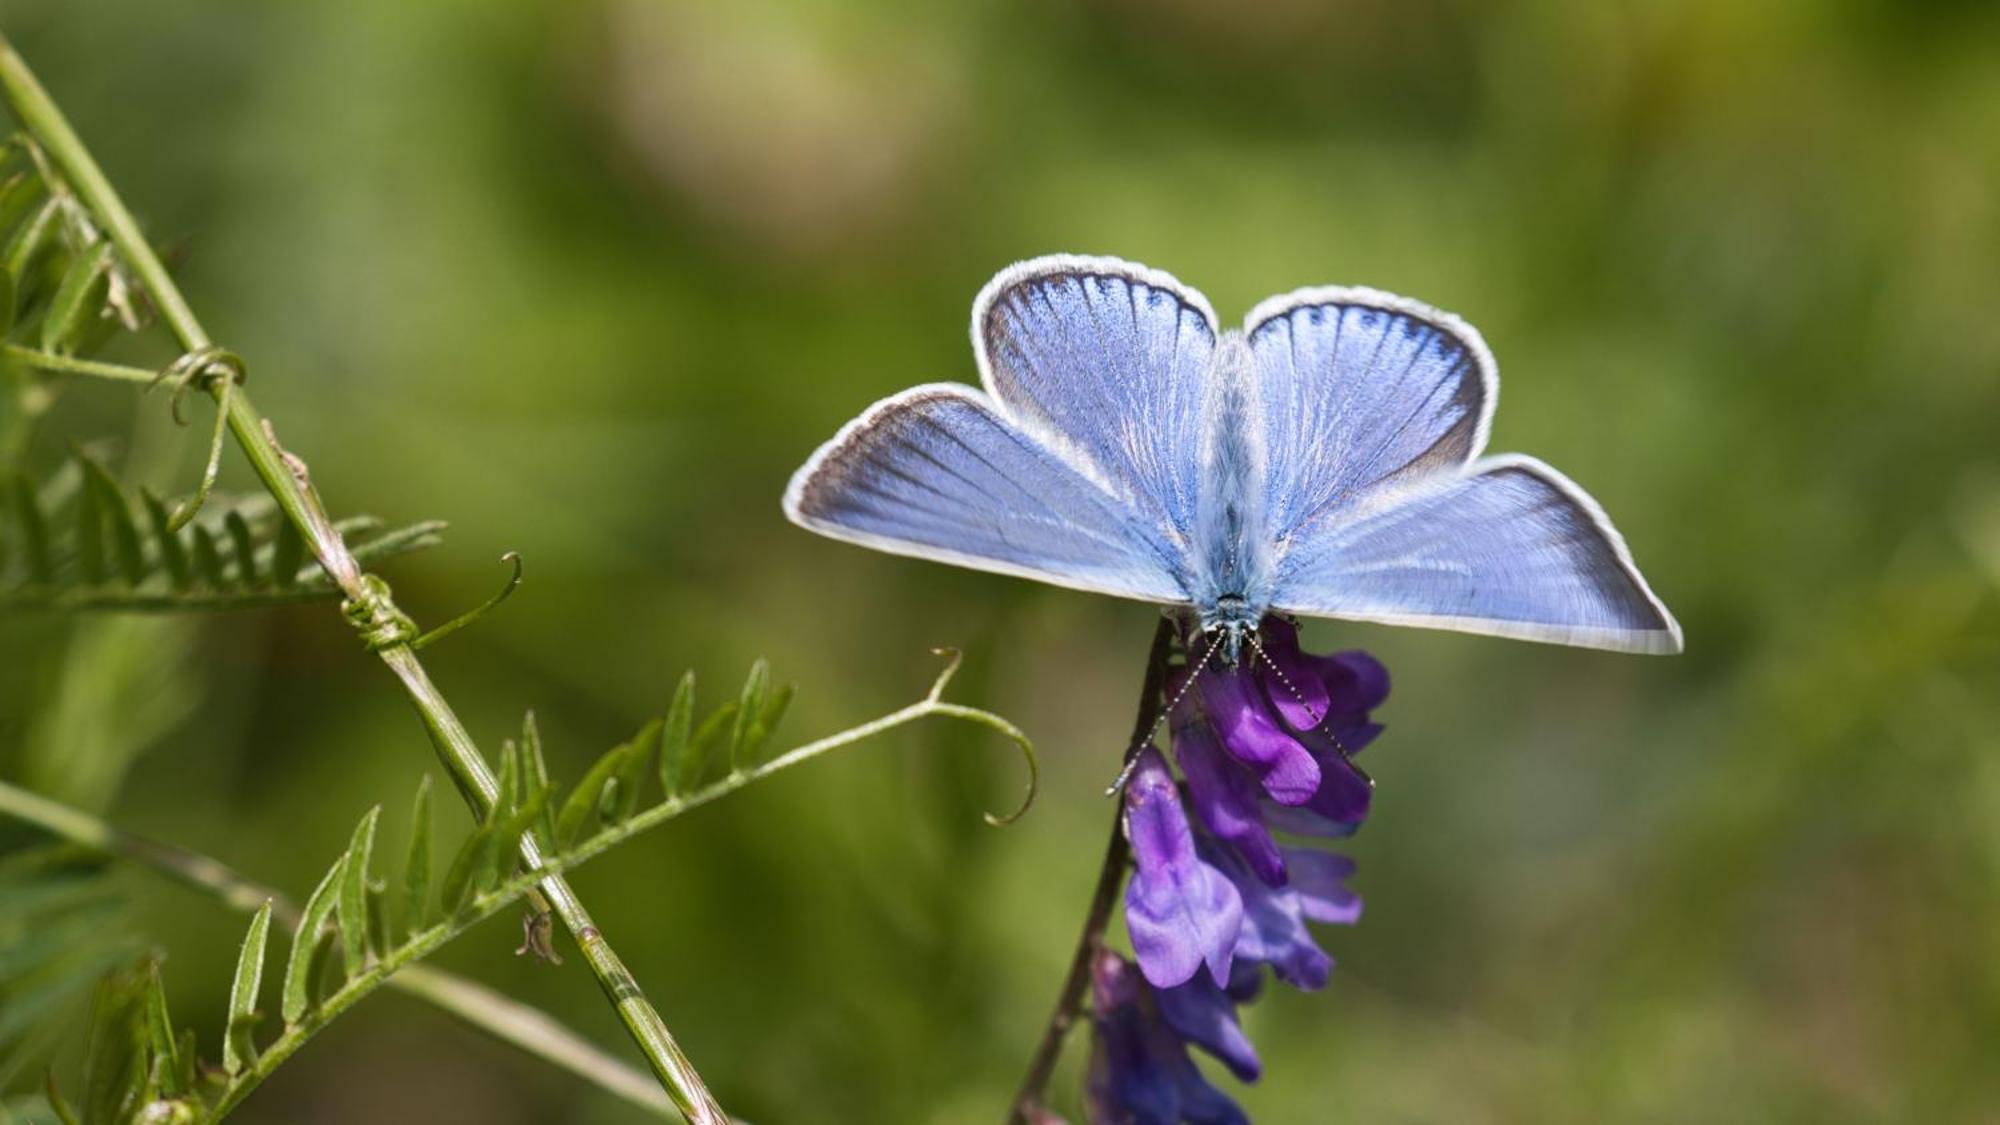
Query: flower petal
[1274,927]
[1252,735]
[1180,911]
[1203,1014]
[1225,799]
[1319,881]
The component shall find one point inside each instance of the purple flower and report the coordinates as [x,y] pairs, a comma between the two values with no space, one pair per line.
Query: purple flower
[1264,746]
[1180,910]
[1140,1072]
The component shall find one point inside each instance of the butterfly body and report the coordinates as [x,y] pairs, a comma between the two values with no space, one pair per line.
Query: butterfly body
[1322,460]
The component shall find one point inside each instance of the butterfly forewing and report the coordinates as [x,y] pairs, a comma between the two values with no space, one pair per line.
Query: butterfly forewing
[937,473]
[1107,363]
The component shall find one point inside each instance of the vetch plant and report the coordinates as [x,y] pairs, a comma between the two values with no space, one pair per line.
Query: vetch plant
[77,271]
[1321,461]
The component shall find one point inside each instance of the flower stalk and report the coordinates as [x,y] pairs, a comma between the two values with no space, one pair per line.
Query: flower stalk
[369,606]
[1070,1002]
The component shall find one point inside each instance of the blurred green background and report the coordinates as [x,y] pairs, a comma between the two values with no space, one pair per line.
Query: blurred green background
[589,279]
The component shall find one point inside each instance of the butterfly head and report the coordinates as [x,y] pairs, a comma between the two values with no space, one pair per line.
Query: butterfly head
[1228,624]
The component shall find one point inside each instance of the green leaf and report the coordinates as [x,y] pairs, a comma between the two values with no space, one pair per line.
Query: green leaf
[479,852]
[581,807]
[288,553]
[353,909]
[171,552]
[58,1104]
[34,530]
[208,558]
[114,1071]
[509,842]
[6,303]
[17,194]
[710,734]
[637,767]
[417,864]
[238,1049]
[768,718]
[90,535]
[124,531]
[312,923]
[535,772]
[748,705]
[245,546]
[31,238]
[674,734]
[165,1045]
[78,300]
[507,793]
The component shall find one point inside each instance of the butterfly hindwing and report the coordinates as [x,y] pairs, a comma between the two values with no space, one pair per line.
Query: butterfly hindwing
[1508,547]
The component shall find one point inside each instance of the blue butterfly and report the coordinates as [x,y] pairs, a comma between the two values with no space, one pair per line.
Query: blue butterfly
[1324,461]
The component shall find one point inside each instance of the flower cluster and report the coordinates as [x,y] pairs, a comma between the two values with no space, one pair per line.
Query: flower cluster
[1264,747]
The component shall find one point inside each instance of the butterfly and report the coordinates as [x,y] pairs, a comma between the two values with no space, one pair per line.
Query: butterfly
[1324,460]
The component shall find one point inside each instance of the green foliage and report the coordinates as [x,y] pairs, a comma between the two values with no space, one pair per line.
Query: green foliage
[61,928]
[77,542]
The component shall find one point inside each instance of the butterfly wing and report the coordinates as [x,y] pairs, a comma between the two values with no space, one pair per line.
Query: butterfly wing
[938,473]
[1374,407]
[1510,547]
[1362,391]
[1107,363]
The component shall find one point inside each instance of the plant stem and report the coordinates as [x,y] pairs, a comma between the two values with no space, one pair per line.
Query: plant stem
[508,1020]
[1028,1108]
[285,477]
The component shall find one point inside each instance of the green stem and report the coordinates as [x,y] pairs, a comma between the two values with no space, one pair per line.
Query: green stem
[508,1020]
[285,477]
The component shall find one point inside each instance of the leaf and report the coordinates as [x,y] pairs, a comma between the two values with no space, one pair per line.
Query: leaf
[172,554]
[31,238]
[674,734]
[78,300]
[208,559]
[417,864]
[90,536]
[114,1069]
[535,772]
[34,530]
[312,923]
[768,718]
[509,842]
[238,1049]
[58,1104]
[353,909]
[124,531]
[638,765]
[507,792]
[245,547]
[6,303]
[480,850]
[748,704]
[583,802]
[701,748]
[165,1046]
[288,553]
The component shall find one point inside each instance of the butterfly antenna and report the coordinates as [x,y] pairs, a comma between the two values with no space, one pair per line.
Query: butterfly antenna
[1132,755]
[1257,646]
